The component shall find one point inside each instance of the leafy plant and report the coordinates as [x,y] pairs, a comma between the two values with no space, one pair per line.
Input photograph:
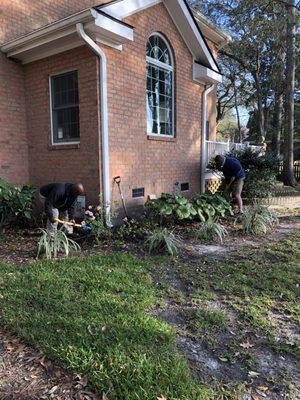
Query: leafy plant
[15,203]
[211,230]
[257,220]
[134,229]
[175,206]
[52,244]
[162,239]
[209,205]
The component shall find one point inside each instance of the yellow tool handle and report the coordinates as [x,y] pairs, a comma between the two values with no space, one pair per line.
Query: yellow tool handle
[67,223]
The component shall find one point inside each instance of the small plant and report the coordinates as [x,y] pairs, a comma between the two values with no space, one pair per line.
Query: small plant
[211,230]
[257,220]
[51,244]
[162,239]
[94,219]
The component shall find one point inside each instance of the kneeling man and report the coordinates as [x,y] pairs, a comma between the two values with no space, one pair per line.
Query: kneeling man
[59,200]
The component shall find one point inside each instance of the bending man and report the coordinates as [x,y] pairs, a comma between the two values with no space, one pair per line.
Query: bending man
[234,177]
[59,200]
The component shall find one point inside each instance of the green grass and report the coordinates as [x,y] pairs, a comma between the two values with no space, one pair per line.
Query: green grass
[88,314]
[205,319]
[255,283]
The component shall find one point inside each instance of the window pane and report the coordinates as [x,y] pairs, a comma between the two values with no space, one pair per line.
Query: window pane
[66,124]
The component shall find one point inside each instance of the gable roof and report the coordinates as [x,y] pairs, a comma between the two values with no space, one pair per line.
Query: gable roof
[182,17]
[105,23]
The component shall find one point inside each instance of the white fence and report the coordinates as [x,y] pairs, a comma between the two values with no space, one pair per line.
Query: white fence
[214,148]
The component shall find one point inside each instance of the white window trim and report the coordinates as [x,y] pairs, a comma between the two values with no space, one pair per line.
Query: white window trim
[51,111]
[167,67]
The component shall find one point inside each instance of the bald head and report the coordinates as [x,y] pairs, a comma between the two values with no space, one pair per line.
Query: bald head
[78,189]
[219,160]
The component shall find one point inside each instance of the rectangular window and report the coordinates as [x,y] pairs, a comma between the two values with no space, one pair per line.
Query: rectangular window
[185,187]
[140,192]
[65,108]
[159,101]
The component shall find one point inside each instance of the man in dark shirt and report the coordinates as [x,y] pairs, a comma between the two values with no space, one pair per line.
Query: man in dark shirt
[59,200]
[234,177]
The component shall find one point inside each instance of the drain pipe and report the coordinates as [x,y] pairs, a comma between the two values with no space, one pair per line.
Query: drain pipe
[207,90]
[103,128]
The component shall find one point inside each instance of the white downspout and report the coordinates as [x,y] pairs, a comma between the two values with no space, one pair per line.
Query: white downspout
[206,91]
[103,129]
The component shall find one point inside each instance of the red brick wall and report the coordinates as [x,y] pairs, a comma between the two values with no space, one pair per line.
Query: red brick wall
[63,163]
[155,165]
[18,17]
[13,140]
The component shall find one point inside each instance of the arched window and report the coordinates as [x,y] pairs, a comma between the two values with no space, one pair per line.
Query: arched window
[160,87]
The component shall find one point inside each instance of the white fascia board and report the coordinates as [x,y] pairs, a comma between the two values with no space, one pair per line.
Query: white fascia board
[187,27]
[125,8]
[205,75]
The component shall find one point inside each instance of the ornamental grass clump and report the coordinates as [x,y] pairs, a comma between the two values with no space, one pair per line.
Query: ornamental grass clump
[257,220]
[162,239]
[52,244]
[211,230]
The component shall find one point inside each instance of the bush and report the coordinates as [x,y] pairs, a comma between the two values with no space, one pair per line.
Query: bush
[162,239]
[257,220]
[15,204]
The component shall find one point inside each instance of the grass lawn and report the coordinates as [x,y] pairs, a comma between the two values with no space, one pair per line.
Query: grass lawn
[261,285]
[89,315]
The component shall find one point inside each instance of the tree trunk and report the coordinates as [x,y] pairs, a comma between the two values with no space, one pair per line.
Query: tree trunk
[288,159]
[278,103]
[239,138]
[260,109]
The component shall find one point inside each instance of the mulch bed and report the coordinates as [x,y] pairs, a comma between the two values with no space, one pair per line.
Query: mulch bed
[26,375]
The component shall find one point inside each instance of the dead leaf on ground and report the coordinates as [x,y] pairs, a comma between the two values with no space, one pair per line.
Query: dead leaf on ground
[162,397]
[246,345]
[253,374]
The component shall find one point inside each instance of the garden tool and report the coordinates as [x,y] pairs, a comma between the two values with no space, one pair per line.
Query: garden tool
[117,180]
[83,227]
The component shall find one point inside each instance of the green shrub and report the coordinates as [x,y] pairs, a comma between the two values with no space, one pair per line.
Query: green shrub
[15,204]
[211,230]
[178,208]
[161,239]
[52,244]
[257,220]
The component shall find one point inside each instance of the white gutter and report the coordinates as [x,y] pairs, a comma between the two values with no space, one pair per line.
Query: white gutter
[207,90]
[103,129]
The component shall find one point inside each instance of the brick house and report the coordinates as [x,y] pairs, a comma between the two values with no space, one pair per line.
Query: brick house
[90,92]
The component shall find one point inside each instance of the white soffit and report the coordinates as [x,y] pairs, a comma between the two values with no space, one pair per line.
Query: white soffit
[61,36]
